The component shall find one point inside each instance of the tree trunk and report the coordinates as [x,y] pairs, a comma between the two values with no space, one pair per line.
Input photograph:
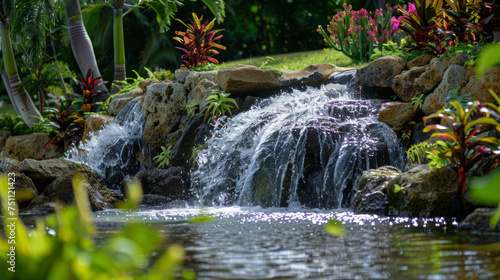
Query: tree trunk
[119,46]
[9,91]
[21,100]
[81,44]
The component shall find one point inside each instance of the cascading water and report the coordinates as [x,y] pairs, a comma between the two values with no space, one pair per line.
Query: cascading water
[113,152]
[304,148]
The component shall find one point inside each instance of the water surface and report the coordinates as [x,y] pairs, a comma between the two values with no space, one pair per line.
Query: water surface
[288,243]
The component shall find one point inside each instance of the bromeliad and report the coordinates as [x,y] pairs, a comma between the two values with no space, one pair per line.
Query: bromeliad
[89,91]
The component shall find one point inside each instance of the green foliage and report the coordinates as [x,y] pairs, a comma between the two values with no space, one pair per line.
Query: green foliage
[486,190]
[164,157]
[488,57]
[400,52]
[48,78]
[470,50]
[417,102]
[17,125]
[88,86]
[335,228]
[416,151]
[61,247]
[199,42]
[190,108]
[265,66]
[439,155]
[196,151]
[66,123]
[465,147]
[218,104]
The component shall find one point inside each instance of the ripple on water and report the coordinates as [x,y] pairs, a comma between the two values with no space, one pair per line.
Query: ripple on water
[276,243]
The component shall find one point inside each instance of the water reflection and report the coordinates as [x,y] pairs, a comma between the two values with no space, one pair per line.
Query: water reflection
[255,243]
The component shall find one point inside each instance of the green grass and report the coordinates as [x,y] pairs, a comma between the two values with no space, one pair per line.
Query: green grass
[300,60]
[7,108]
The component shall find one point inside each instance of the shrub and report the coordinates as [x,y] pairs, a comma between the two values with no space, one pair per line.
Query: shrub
[199,42]
[67,124]
[89,92]
[218,104]
[357,33]
[465,147]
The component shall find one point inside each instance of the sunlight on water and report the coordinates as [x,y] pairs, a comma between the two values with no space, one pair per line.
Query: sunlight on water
[291,243]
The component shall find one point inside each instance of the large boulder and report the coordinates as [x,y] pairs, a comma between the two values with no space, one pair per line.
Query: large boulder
[161,109]
[478,87]
[454,77]
[24,187]
[425,192]
[405,85]
[420,61]
[9,165]
[201,91]
[180,75]
[246,78]
[194,78]
[30,146]
[172,183]
[396,113]
[433,75]
[184,140]
[380,72]
[44,172]
[119,101]
[479,220]
[312,74]
[372,188]
[95,123]
[4,135]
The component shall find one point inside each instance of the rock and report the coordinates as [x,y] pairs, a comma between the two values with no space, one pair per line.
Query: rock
[25,189]
[4,135]
[381,72]
[420,61]
[9,165]
[161,109]
[343,78]
[194,78]
[459,59]
[95,123]
[478,87]
[418,135]
[172,183]
[310,75]
[119,101]
[453,77]
[61,191]
[30,146]
[424,192]
[433,75]
[200,93]
[180,75]
[41,209]
[154,200]
[184,140]
[396,113]
[372,188]
[144,84]
[246,78]
[479,220]
[44,172]
[405,85]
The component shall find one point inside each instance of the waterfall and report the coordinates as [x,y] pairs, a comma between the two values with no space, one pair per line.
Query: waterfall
[304,148]
[116,150]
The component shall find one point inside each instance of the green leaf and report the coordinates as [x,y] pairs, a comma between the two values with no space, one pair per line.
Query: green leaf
[198,219]
[335,228]
[217,8]
[486,189]
[488,57]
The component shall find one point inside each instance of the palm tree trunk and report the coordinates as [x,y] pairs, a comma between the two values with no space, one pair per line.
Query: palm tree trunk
[119,46]
[80,42]
[21,99]
[9,90]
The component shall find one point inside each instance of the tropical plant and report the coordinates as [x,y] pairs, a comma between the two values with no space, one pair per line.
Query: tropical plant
[62,246]
[218,104]
[190,108]
[196,151]
[417,151]
[417,102]
[264,65]
[89,89]
[19,98]
[406,130]
[462,17]
[356,33]
[488,57]
[199,42]
[486,190]
[164,157]
[67,124]
[465,147]
[420,22]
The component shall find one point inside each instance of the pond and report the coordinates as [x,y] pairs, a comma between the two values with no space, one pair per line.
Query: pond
[291,243]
